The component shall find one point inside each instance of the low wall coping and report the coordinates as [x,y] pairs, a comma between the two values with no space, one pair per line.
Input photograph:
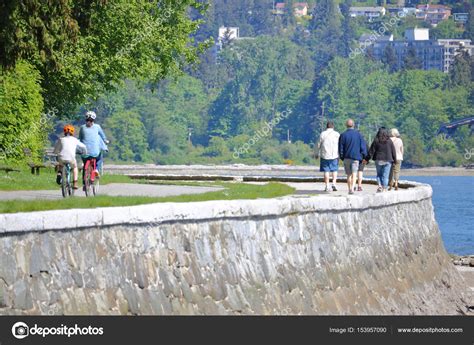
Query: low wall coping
[203,210]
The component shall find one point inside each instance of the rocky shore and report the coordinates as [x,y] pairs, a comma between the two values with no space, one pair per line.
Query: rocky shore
[465,260]
[465,266]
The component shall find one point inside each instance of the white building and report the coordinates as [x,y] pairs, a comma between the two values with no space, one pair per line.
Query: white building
[417,34]
[369,12]
[228,33]
[453,47]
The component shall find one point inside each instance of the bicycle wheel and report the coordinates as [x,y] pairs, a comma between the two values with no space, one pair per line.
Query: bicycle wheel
[87,178]
[95,186]
[64,182]
[69,181]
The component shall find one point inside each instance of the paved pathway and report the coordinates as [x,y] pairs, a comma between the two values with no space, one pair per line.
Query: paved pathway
[130,189]
[113,189]
[318,188]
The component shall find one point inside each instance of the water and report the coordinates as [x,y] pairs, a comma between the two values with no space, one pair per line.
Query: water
[453,200]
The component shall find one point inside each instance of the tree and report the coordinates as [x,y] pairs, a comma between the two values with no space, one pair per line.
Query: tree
[460,72]
[289,16]
[469,33]
[326,33]
[390,59]
[411,60]
[266,74]
[128,139]
[348,31]
[21,125]
[446,29]
[85,47]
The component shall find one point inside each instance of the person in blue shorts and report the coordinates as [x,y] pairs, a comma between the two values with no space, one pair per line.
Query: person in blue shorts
[329,155]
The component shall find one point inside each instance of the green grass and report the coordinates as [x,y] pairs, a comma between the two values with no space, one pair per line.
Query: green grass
[24,180]
[232,191]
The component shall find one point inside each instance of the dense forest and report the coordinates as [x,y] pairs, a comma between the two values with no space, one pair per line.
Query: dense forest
[176,98]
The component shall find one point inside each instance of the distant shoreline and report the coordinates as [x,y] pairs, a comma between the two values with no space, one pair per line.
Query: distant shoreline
[437,171]
[304,170]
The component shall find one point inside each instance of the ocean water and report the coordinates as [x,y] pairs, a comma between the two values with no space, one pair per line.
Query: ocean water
[453,200]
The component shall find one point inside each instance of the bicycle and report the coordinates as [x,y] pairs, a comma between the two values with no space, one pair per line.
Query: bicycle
[66,186]
[90,183]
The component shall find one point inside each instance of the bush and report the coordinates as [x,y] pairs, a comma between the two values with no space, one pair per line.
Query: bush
[21,103]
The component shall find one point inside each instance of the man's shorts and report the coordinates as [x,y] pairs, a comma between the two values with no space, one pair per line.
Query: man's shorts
[361,166]
[351,166]
[329,165]
[73,163]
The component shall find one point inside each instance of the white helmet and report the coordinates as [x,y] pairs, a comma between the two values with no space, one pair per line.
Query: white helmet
[91,115]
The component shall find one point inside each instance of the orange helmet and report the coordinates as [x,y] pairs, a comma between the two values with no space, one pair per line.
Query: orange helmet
[69,129]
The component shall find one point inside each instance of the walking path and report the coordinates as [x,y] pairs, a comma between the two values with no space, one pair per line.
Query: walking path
[130,189]
[308,188]
[113,189]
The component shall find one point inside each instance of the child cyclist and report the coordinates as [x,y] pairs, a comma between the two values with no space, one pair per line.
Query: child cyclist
[66,148]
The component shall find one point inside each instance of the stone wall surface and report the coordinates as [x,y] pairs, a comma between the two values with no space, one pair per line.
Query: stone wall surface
[367,254]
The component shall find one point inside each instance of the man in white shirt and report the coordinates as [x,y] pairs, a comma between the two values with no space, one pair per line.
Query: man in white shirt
[329,155]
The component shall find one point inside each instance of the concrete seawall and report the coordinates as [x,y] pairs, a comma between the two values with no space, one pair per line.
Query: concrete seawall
[364,254]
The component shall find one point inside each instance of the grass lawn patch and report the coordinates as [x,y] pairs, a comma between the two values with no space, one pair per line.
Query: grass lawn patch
[232,191]
[24,180]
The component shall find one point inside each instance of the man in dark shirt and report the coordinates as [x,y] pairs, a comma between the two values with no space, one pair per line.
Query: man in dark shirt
[352,149]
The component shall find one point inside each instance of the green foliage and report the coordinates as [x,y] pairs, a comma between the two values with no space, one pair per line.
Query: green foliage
[460,73]
[127,135]
[446,29]
[327,33]
[265,76]
[21,125]
[83,48]
[411,60]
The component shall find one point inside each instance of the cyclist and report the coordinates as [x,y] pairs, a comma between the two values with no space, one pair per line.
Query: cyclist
[65,148]
[92,135]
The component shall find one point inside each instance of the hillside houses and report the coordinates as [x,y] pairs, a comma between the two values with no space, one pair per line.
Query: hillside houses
[300,9]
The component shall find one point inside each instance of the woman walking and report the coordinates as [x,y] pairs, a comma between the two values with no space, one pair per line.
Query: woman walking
[382,151]
[395,171]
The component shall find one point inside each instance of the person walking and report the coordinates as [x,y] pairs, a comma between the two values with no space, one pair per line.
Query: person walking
[329,155]
[382,152]
[395,170]
[352,149]
[360,171]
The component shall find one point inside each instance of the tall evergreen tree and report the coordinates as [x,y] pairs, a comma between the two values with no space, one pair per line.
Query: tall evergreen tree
[326,43]
[289,17]
[390,59]
[469,33]
[411,60]
[348,32]
[327,34]
[460,71]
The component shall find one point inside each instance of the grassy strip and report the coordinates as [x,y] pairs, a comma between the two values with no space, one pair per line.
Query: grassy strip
[24,180]
[232,191]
